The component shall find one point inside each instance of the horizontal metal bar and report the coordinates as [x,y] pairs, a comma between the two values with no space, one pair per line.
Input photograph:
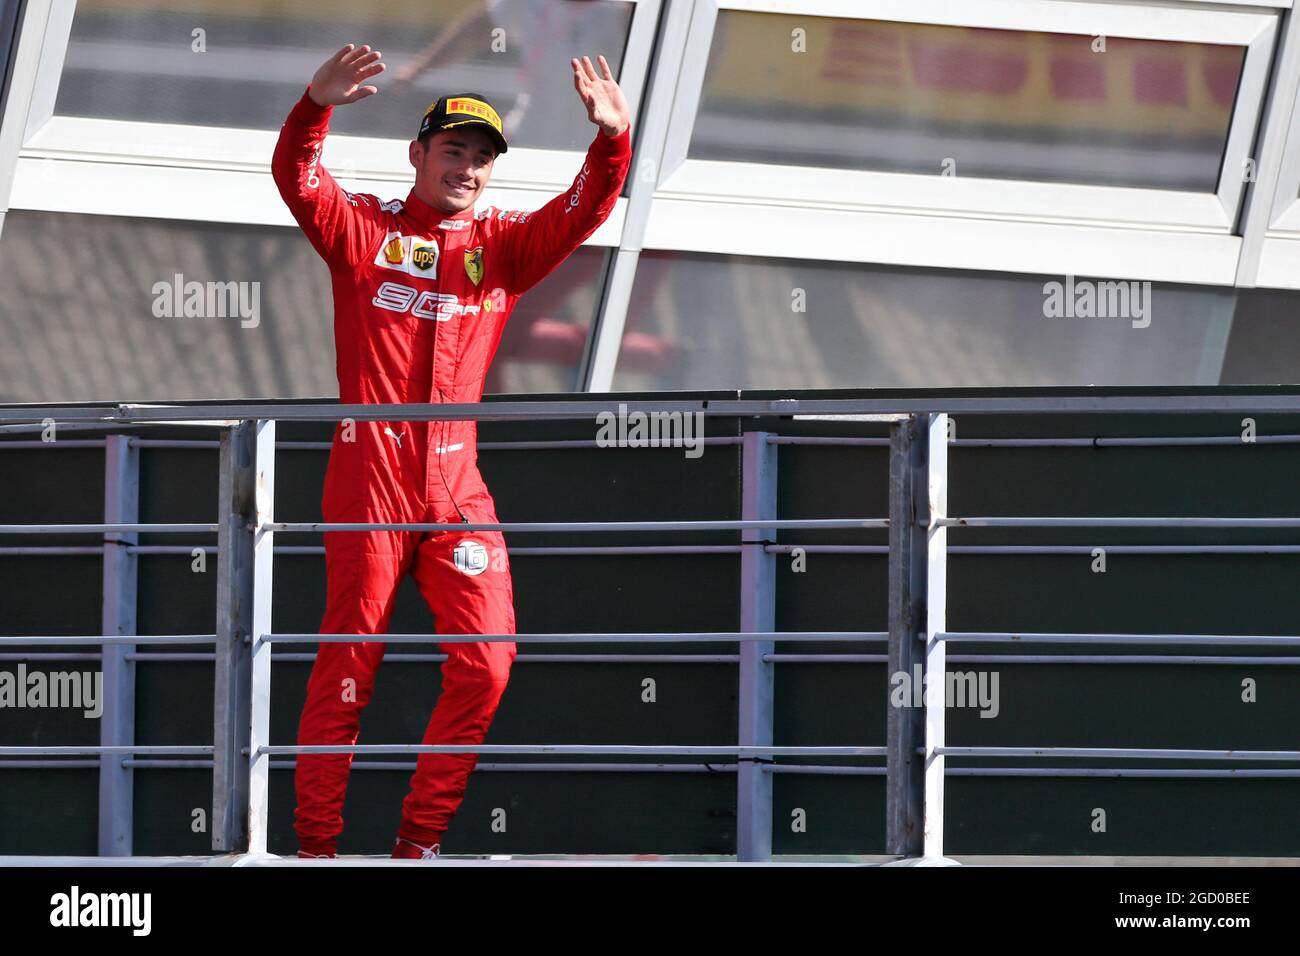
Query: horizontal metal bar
[33,443]
[553,445]
[516,526]
[62,639]
[1088,549]
[1167,659]
[55,656]
[596,550]
[438,658]
[825,770]
[76,750]
[625,550]
[1136,442]
[1011,549]
[843,416]
[165,528]
[664,549]
[818,770]
[826,658]
[577,409]
[1119,522]
[602,638]
[560,444]
[548,767]
[1226,640]
[1147,659]
[822,524]
[845,441]
[55,550]
[1201,401]
[1063,549]
[187,549]
[92,423]
[596,767]
[1120,753]
[566,444]
[1186,773]
[201,444]
[612,749]
[827,548]
[541,767]
[619,658]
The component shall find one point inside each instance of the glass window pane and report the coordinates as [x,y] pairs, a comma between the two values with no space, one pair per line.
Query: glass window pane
[542,346]
[74,334]
[701,321]
[140,61]
[999,104]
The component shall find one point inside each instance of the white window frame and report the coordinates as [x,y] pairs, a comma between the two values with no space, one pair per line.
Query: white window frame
[1254,27]
[218,174]
[1285,220]
[247,197]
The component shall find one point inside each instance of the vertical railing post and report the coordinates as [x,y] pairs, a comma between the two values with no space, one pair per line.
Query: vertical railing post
[935,437]
[904,723]
[231,710]
[918,585]
[241,719]
[117,700]
[757,613]
[259,764]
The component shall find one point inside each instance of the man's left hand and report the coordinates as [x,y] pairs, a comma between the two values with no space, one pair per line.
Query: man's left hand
[606,105]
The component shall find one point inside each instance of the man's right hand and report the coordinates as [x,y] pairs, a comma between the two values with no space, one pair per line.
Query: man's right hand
[336,82]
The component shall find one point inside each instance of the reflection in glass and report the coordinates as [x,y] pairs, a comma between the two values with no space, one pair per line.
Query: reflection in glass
[703,322]
[78,332]
[999,104]
[244,65]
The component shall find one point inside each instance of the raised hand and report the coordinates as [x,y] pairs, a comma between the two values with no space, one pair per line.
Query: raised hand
[606,105]
[337,81]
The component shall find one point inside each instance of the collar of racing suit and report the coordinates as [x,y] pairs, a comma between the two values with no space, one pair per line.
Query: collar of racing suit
[428,217]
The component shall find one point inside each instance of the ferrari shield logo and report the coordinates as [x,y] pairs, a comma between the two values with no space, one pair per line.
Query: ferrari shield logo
[474,264]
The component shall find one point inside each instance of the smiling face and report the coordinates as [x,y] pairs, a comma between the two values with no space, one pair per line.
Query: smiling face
[452,167]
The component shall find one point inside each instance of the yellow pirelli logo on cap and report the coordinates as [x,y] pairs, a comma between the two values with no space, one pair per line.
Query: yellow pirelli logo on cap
[474,108]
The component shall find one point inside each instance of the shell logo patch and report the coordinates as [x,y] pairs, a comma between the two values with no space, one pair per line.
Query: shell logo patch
[394,252]
[474,264]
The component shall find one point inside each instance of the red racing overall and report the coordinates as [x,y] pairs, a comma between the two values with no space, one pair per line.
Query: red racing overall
[420,301]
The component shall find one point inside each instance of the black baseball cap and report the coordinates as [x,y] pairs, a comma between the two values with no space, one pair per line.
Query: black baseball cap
[463,109]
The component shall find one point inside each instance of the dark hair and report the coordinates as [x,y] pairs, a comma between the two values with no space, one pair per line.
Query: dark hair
[428,138]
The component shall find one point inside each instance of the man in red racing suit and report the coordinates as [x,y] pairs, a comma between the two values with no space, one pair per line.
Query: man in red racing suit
[422,290]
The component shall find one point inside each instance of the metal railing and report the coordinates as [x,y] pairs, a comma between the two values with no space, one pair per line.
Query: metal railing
[915,751]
